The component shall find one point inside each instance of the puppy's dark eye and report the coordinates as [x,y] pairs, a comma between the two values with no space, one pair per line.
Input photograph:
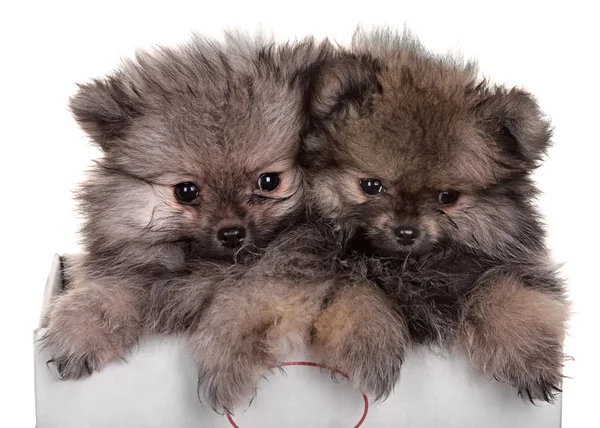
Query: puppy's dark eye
[371,186]
[186,193]
[268,182]
[448,197]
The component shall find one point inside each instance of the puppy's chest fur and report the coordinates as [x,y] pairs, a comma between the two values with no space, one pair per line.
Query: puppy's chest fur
[429,292]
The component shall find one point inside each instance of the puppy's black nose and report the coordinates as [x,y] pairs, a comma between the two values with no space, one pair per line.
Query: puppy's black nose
[232,237]
[406,235]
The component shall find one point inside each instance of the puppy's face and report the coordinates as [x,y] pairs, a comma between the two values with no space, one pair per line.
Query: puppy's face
[198,149]
[415,155]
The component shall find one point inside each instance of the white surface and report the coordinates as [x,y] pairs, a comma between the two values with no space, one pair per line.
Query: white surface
[547,47]
[156,388]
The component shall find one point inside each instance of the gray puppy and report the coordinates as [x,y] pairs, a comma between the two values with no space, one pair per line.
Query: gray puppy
[423,170]
[198,175]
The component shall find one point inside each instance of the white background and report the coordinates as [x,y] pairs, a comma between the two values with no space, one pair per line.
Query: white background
[46,47]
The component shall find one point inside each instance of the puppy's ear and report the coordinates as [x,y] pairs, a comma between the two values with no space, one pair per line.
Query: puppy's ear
[517,125]
[343,89]
[104,109]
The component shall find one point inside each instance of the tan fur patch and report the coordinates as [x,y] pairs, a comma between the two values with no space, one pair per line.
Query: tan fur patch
[357,309]
[349,184]
[360,335]
[292,317]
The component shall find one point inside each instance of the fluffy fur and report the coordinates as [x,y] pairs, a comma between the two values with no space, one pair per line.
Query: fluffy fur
[476,270]
[219,115]
[284,302]
[255,322]
[216,114]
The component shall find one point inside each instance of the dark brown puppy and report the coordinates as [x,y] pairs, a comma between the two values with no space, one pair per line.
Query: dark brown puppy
[198,175]
[424,171]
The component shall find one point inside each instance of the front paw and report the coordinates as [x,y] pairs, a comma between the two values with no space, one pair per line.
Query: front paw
[75,356]
[531,359]
[71,361]
[230,385]
[544,388]
[230,364]
[370,370]
[515,335]
[535,372]
[360,336]
[82,337]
